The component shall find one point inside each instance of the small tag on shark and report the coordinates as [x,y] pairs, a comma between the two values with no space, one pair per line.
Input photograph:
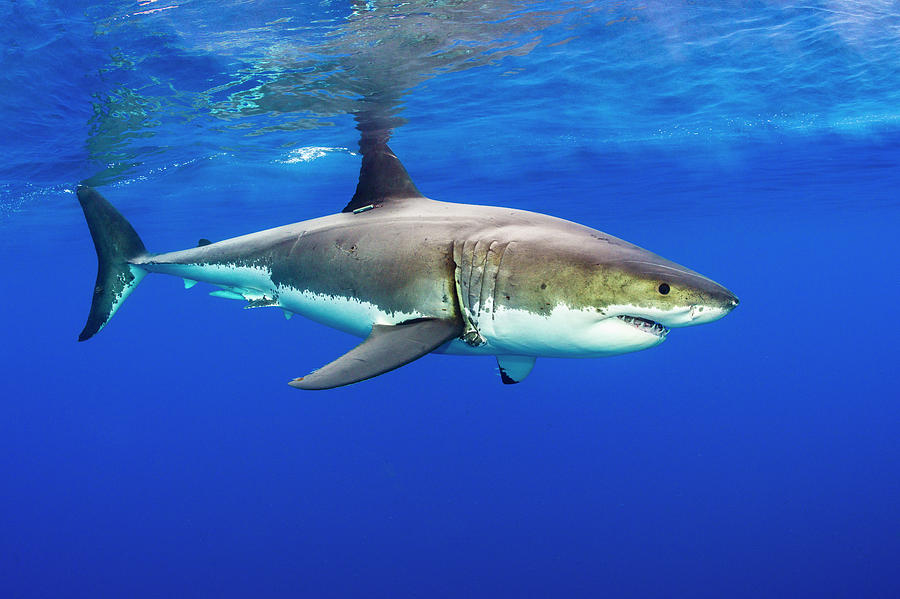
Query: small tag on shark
[261,302]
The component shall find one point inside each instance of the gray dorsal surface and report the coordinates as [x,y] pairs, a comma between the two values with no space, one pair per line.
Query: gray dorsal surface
[382,178]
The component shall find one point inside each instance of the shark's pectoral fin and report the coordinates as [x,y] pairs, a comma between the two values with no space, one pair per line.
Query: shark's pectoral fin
[514,369]
[387,347]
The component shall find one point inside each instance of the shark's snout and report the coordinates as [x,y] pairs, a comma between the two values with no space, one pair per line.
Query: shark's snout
[675,296]
[725,298]
[715,305]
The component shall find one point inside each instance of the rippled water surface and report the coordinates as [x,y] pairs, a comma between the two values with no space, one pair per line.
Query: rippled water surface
[758,143]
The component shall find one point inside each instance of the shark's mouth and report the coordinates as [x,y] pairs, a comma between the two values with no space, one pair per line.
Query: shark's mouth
[642,324]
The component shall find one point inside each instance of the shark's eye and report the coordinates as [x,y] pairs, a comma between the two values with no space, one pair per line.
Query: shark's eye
[664,288]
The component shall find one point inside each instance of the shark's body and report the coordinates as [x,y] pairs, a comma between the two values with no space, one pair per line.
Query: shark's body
[415,275]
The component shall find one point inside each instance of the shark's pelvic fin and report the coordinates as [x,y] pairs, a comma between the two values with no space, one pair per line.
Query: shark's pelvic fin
[382,178]
[514,369]
[117,244]
[387,347]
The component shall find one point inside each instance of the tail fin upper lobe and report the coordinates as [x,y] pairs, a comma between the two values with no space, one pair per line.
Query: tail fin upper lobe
[116,243]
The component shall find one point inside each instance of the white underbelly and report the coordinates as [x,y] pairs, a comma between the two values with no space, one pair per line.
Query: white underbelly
[255,281]
[564,333]
[347,314]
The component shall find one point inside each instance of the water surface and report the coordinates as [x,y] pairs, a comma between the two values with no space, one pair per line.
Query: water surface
[757,143]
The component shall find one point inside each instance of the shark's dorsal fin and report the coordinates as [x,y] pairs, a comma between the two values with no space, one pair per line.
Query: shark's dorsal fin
[382,178]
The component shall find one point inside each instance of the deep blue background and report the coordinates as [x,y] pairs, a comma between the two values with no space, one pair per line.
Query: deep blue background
[755,457]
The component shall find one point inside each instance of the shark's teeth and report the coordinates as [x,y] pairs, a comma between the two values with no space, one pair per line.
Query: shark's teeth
[645,325]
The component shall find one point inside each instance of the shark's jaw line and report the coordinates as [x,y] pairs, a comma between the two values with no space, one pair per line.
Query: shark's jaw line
[563,332]
[643,324]
[668,318]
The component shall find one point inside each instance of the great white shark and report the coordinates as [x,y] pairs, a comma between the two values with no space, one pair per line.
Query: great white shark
[413,276]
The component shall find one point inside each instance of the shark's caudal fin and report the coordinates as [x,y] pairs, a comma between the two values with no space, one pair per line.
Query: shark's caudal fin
[117,243]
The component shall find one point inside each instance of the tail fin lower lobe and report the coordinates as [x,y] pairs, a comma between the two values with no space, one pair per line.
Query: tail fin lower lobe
[116,243]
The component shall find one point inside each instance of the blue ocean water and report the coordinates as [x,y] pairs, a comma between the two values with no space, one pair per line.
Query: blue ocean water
[756,142]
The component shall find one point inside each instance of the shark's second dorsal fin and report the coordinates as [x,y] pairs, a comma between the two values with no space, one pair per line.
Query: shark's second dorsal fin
[382,178]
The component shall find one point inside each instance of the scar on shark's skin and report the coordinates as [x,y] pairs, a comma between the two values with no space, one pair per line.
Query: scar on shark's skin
[413,276]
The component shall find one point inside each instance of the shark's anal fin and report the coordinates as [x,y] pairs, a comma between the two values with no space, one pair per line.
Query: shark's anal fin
[382,179]
[387,347]
[514,369]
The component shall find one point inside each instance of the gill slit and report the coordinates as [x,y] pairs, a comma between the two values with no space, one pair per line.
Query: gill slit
[497,279]
[484,276]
